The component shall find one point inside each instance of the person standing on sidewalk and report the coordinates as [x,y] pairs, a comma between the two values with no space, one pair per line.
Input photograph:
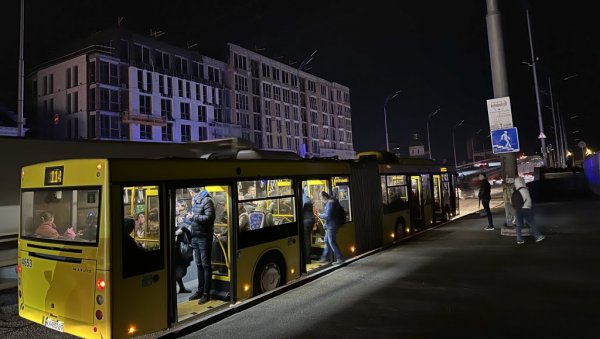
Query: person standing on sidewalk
[526,213]
[485,195]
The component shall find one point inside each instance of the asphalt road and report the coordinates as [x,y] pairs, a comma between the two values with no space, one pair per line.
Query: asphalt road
[453,281]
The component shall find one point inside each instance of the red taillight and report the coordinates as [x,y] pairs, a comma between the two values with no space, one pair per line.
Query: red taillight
[100,284]
[18,268]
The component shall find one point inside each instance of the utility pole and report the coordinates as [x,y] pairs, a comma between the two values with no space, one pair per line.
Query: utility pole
[21,73]
[542,136]
[508,161]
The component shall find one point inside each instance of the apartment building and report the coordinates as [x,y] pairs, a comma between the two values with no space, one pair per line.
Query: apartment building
[280,107]
[121,85]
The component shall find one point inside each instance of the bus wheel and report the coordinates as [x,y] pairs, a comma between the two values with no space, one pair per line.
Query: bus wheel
[269,274]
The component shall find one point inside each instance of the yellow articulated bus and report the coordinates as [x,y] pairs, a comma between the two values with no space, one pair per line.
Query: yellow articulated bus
[80,218]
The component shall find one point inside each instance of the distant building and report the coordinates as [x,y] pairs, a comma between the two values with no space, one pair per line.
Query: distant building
[8,122]
[416,148]
[123,85]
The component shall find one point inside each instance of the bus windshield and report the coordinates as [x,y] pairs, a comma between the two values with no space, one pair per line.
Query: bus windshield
[66,215]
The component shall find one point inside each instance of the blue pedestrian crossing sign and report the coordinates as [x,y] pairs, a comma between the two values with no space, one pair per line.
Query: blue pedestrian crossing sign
[505,140]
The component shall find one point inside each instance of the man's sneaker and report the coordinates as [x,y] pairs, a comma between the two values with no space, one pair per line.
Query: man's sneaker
[339,262]
[520,242]
[489,228]
[540,238]
[205,298]
[322,261]
[195,296]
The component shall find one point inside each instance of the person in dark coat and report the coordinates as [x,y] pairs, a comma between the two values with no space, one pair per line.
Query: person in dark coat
[331,228]
[183,241]
[308,218]
[485,195]
[202,227]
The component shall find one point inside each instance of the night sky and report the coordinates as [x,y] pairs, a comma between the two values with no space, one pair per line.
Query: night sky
[436,52]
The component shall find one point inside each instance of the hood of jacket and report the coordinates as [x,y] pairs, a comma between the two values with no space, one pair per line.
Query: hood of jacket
[519,182]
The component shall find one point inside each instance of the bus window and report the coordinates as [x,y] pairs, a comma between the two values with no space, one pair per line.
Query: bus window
[313,189]
[397,193]
[141,230]
[67,215]
[436,193]
[341,191]
[415,198]
[265,203]
[384,197]
[426,191]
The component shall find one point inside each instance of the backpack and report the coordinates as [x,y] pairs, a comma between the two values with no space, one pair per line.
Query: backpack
[516,199]
[339,214]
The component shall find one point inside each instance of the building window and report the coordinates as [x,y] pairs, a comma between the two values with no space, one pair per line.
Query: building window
[165,109]
[184,110]
[181,65]
[186,133]
[256,104]
[266,71]
[198,70]
[258,141]
[239,61]
[277,93]
[266,90]
[241,83]
[202,114]
[145,104]
[312,86]
[267,107]
[180,88]
[167,132]
[276,74]
[141,54]
[254,69]
[163,60]
[145,132]
[257,122]
[214,75]
[109,126]
[202,133]
[268,123]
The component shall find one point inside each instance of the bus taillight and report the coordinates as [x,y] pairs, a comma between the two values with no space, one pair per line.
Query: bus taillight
[101,284]
[18,268]
[99,315]
[132,329]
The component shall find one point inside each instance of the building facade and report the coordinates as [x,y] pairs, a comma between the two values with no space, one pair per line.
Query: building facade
[416,149]
[128,86]
[280,107]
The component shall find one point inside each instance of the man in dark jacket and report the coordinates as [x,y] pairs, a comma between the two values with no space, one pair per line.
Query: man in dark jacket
[202,226]
[331,228]
[485,196]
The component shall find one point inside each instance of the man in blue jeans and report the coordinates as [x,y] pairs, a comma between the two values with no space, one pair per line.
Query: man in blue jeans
[331,227]
[202,226]
[525,214]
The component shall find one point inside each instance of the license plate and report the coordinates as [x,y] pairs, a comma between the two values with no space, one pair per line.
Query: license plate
[55,325]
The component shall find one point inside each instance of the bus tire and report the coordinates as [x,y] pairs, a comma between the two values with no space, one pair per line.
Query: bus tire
[269,273]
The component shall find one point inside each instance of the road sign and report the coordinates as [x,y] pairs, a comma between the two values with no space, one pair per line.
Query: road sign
[499,113]
[505,140]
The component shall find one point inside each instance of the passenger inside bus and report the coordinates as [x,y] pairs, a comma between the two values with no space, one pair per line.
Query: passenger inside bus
[132,251]
[47,228]
[140,225]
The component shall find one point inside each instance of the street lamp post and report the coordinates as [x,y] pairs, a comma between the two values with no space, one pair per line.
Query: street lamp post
[542,136]
[389,97]
[431,115]
[473,144]
[453,143]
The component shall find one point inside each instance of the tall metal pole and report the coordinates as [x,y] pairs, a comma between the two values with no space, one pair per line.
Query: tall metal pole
[387,141]
[542,136]
[500,83]
[454,148]
[21,73]
[564,134]
[558,146]
[389,97]
[431,115]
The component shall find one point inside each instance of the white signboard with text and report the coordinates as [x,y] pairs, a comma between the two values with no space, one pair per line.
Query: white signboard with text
[499,113]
